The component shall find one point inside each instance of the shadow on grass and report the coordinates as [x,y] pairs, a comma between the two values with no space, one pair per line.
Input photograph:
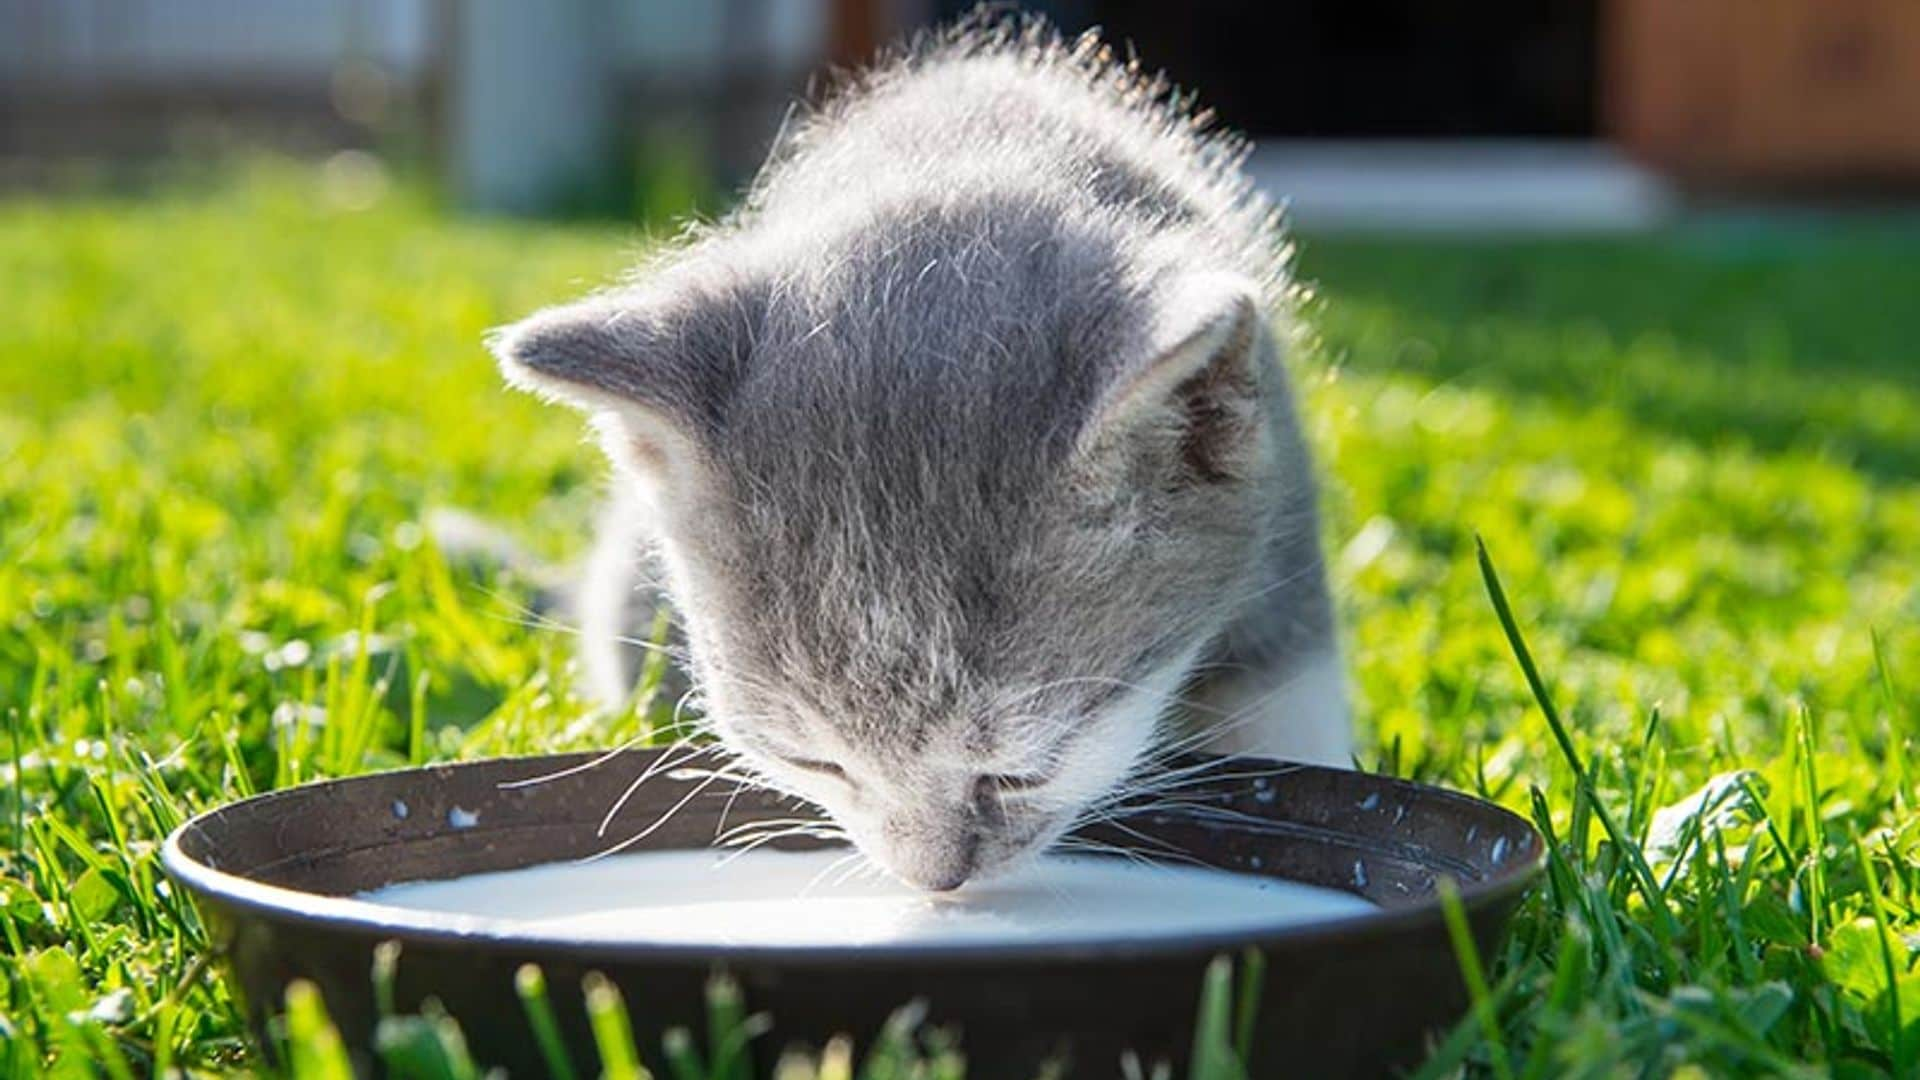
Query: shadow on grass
[1780,336]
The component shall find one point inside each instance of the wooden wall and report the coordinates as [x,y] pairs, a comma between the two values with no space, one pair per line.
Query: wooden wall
[1782,93]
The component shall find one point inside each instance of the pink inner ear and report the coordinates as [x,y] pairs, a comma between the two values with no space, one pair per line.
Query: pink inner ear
[1218,405]
[1201,371]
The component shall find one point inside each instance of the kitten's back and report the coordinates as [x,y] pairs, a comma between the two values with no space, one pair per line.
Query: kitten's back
[992,109]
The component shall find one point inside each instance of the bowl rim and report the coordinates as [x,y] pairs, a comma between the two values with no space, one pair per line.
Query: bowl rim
[351,915]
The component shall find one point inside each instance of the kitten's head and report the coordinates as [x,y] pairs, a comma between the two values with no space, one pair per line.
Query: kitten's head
[948,511]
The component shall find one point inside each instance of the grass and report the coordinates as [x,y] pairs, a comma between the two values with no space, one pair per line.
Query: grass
[1694,460]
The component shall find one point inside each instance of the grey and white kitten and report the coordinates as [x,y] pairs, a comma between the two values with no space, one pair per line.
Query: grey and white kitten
[965,454]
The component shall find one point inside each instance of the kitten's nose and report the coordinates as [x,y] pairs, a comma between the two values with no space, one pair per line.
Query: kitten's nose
[941,867]
[949,879]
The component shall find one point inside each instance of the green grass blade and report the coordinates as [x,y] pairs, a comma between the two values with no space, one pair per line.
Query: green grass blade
[314,1049]
[1213,1057]
[1253,978]
[386,966]
[530,984]
[1664,924]
[682,1057]
[612,1031]
[1467,955]
[1903,1057]
[728,1031]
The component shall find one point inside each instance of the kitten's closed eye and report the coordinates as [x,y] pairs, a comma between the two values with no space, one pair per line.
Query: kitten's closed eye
[817,766]
[814,765]
[1010,783]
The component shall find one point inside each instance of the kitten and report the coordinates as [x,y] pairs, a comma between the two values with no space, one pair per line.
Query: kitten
[964,452]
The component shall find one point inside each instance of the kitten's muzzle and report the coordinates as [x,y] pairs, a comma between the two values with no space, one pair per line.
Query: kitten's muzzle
[935,864]
[944,877]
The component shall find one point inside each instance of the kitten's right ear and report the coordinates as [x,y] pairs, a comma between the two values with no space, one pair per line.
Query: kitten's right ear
[613,359]
[1189,397]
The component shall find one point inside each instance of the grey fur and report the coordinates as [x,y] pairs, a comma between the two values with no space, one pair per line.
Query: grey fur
[964,449]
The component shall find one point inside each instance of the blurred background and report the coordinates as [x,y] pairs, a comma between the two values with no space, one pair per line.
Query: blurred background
[1381,113]
[1623,288]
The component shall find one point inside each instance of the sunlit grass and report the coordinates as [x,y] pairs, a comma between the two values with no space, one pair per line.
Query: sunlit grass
[1695,461]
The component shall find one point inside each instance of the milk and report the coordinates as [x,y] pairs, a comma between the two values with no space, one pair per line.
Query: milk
[819,898]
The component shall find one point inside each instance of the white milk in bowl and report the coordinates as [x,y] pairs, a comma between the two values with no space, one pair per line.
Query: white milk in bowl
[832,898]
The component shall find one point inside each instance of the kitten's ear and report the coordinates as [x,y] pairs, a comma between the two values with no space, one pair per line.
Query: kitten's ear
[614,358]
[1191,398]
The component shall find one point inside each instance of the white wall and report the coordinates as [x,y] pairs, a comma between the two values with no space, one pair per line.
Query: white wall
[177,39]
[161,39]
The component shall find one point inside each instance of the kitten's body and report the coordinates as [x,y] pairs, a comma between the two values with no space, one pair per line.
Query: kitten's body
[963,439]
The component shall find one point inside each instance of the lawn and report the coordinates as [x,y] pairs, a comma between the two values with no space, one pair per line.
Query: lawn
[1693,458]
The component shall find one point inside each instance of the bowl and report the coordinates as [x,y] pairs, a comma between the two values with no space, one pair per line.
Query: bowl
[274,878]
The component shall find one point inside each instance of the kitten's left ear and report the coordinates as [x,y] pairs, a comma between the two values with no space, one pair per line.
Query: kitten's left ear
[638,365]
[1195,389]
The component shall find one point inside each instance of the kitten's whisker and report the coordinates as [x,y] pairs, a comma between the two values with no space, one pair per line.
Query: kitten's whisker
[862,867]
[722,773]
[763,823]
[661,764]
[1151,777]
[750,841]
[1103,849]
[1209,810]
[1224,723]
[1255,774]
[530,619]
[1227,723]
[727,807]
[768,838]
[651,829]
[1151,773]
[606,756]
[836,864]
[681,703]
[1298,574]
[1150,768]
[755,780]
[1157,757]
[1164,697]
[574,770]
[745,829]
[1113,822]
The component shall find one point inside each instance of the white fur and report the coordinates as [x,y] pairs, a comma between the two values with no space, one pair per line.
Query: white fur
[1300,715]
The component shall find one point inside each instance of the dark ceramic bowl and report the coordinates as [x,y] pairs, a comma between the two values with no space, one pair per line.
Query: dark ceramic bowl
[273,877]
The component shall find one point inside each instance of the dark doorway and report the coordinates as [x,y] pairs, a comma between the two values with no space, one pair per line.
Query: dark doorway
[1367,68]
